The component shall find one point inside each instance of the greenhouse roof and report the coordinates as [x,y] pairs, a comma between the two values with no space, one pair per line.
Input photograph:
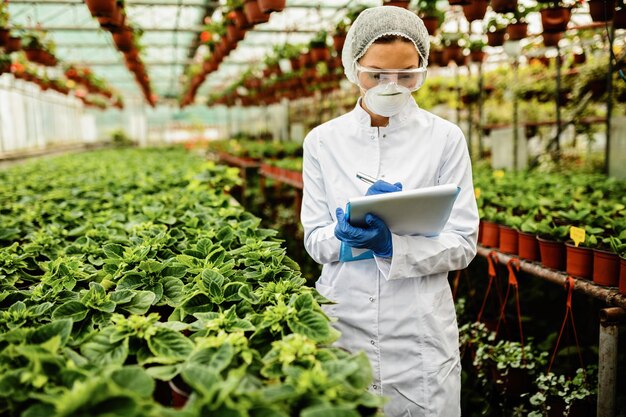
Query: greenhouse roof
[171,31]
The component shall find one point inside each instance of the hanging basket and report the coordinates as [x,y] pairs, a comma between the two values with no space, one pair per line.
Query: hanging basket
[475,10]
[601,10]
[431,23]
[496,38]
[253,12]
[504,6]
[552,253]
[508,240]
[555,19]
[398,3]
[517,31]
[551,38]
[101,8]
[269,6]
[579,261]
[528,246]
[605,268]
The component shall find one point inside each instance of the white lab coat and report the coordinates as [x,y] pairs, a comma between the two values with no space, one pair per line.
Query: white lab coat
[398,310]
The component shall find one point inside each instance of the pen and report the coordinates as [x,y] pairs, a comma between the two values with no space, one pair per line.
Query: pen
[366,178]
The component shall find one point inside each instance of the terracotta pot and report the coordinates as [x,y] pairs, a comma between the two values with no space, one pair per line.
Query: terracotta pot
[339,39]
[552,254]
[14,44]
[398,3]
[295,63]
[431,23]
[551,38]
[436,57]
[240,19]
[601,10]
[555,19]
[4,36]
[33,55]
[606,268]
[622,276]
[321,54]
[503,6]
[179,396]
[268,6]
[453,53]
[253,12]
[508,240]
[475,10]
[458,2]
[101,8]
[496,38]
[579,261]
[305,59]
[517,31]
[114,22]
[580,58]
[123,40]
[619,21]
[491,234]
[480,232]
[477,56]
[528,246]
[233,33]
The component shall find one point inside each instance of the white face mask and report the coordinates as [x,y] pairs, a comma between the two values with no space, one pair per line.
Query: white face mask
[387,99]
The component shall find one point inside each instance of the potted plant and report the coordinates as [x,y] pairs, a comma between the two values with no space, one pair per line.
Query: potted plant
[4,23]
[496,30]
[556,14]
[557,395]
[503,6]
[606,261]
[475,10]
[253,12]
[453,43]
[431,15]
[5,63]
[268,6]
[101,8]
[236,8]
[319,48]
[528,246]
[517,27]
[339,35]
[476,46]
[601,10]
[580,258]
[591,79]
[551,246]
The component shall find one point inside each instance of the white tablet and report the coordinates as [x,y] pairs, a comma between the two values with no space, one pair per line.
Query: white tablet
[423,211]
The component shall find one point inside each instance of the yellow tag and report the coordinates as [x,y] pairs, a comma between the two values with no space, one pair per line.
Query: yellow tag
[477,192]
[498,173]
[577,235]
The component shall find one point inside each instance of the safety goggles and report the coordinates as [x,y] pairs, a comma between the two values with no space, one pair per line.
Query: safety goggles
[371,77]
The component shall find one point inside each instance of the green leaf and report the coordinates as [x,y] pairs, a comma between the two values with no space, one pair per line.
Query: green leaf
[121,296]
[222,357]
[327,410]
[163,372]
[140,303]
[131,281]
[151,266]
[304,302]
[203,380]
[134,378]
[62,328]
[99,350]
[113,251]
[310,324]
[170,344]
[72,310]
[246,293]
[198,303]
[173,289]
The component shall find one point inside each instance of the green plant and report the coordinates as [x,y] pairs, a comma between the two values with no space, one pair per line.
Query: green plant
[520,14]
[288,50]
[234,4]
[4,15]
[319,40]
[33,39]
[543,4]
[496,23]
[553,389]
[476,44]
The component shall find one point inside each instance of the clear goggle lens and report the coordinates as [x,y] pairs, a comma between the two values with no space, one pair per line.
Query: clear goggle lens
[371,77]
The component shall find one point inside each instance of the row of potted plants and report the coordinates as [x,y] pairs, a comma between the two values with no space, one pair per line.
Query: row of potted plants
[111,16]
[222,36]
[532,215]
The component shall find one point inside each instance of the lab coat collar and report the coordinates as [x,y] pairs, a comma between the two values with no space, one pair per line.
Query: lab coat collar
[364,120]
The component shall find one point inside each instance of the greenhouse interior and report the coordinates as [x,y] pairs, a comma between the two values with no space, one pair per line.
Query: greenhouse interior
[193,192]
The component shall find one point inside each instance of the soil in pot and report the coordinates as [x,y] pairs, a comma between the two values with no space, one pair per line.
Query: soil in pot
[552,254]
[579,261]
[508,240]
[491,234]
[606,268]
[528,246]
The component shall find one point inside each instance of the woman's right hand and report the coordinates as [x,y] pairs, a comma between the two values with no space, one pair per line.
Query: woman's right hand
[382,187]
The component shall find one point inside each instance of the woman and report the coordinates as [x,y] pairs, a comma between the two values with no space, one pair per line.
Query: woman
[396,303]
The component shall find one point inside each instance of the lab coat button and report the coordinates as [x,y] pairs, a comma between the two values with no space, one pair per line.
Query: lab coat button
[384,136]
[375,386]
[372,342]
[371,299]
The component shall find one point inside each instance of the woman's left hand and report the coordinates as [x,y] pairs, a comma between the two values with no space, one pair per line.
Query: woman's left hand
[375,236]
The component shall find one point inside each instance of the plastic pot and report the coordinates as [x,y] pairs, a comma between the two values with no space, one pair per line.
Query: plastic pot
[503,6]
[579,261]
[496,38]
[4,36]
[431,23]
[622,276]
[491,234]
[253,12]
[601,10]
[179,395]
[339,39]
[606,268]
[552,253]
[475,10]
[528,246]
[101,8]
[551,38]
[517,31]
[555,19]
[508,240]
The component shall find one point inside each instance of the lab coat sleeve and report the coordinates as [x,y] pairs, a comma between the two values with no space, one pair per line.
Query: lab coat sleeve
[318,222]
[455,247]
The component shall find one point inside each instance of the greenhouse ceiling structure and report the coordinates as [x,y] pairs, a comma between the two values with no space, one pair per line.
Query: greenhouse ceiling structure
[171,37]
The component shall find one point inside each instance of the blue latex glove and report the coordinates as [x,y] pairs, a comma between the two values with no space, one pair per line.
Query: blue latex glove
[375,236]
[382,187]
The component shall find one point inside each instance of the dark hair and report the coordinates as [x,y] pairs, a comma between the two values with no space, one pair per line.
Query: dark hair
[391,39]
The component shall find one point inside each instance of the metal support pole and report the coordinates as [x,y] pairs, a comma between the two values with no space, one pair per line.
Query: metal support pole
[558,101]
[515,115]
[609,100]
[480,110]
[610,318]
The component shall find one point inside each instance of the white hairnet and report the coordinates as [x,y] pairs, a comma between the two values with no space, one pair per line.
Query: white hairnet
[376,22]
